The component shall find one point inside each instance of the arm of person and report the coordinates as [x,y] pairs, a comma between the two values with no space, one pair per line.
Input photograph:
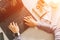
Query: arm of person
[41,25]
[45,26]
[15,29]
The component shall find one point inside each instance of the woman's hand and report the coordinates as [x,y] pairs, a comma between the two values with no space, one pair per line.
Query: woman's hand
[30,21]
[14,27]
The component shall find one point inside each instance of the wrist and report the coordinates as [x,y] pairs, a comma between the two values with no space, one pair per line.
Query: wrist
[17,34]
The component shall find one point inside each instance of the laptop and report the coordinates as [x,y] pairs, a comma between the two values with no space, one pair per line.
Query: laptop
[1,36]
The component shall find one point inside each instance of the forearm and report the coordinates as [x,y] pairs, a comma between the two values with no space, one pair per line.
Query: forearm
[44,26]
[54,29]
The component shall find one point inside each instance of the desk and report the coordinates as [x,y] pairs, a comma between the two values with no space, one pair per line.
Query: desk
[36,34]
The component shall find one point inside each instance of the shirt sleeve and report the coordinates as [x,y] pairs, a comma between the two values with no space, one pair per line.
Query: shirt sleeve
[17,37]
[57,34]
[46,27]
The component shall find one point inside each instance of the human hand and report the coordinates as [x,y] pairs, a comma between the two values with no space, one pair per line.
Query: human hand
[30,21]
[14,27]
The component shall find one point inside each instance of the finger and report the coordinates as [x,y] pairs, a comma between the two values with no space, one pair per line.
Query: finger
[16,24]
[26,20]
[27,17]
[30,16]
[10,25]
[13,23]
[27,24]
